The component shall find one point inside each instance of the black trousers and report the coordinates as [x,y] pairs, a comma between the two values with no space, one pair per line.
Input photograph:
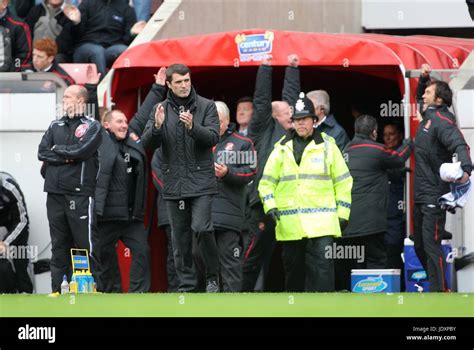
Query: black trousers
[71,225]
[307,269]
[428,224]
[194,213]
[259,252]
[135,237]
[173,281]
[229,247]
[15,271]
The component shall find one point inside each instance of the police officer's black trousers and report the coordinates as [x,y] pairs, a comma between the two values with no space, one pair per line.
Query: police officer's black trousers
[71,225]
[428,224]
[307,268]
[259,252]
[135,237]
[228,245]
[194,213]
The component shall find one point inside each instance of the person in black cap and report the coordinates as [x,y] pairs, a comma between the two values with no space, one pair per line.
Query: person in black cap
[306,189]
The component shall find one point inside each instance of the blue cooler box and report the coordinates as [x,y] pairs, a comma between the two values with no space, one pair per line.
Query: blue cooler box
[415,275]
[375,281]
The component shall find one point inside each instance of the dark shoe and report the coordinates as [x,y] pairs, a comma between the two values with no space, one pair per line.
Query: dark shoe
[212,287]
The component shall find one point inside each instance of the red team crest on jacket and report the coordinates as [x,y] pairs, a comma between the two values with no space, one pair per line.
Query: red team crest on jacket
[81,130]
[229,146]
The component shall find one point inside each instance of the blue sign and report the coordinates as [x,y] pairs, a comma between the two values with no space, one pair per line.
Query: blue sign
[254,47]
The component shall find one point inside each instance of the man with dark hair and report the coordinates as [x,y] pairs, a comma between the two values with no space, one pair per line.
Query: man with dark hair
[186,127]
[69,149]
[120,203]
[244,113]
[393,137]
[368,162]
[438,138]
[14,275]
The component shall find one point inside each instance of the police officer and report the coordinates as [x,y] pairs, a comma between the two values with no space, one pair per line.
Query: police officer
[306,189]
[120,203]
[69,150]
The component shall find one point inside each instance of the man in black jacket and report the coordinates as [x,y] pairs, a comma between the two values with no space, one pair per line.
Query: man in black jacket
[14,275]
[437,139]
[368,162]
[120,203]
[269,124]
[69,150]
[186,126]
[105,30]
[235,166]
[164,221]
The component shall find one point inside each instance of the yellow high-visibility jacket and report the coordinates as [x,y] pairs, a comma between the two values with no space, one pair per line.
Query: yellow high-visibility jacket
[311,197]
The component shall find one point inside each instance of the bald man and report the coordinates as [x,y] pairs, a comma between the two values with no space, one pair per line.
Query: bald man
[269,123]
[69,152]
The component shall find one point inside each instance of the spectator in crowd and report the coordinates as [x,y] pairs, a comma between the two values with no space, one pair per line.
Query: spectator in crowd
[186,126]
[393,137]
[327,123]
[164,221]
[20,8]
[142,9]
[269,123]
[14,275]
[306,189]
[368,163]
[437,139]
[15,38]
[244,113]
[44,53]
[69,149]
[105,30]
[52,19]
[235,163]
[120,198]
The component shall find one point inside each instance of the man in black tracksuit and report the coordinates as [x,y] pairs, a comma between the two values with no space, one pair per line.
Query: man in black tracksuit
[14,275]
[163,220]
[235,166]
[186,126]
[437,139]
[69,151]
[368,162]
[120,203]
[268,125]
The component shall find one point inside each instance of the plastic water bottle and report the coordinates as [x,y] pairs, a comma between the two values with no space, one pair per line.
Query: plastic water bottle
[64,286]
